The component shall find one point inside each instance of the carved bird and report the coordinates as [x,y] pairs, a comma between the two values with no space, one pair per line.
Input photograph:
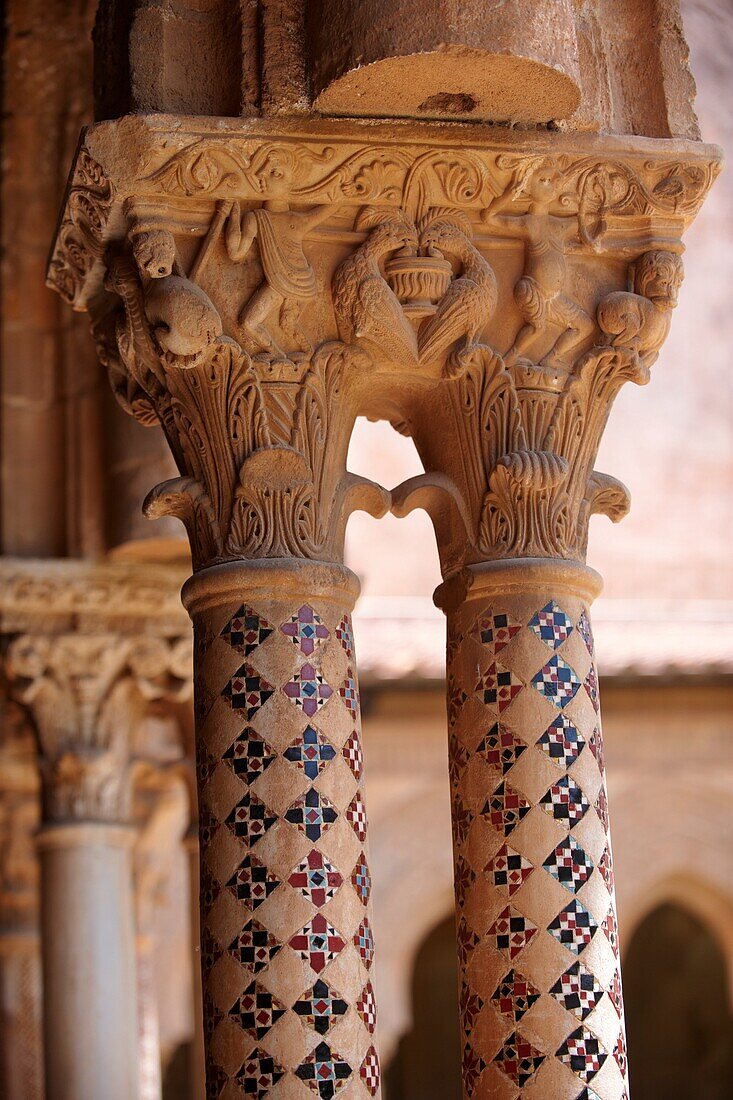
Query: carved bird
[367,310]
[470,300]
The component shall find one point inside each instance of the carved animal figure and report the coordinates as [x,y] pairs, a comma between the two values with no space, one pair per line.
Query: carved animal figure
[469,302]
[640,320]
[540,293]
[367,310]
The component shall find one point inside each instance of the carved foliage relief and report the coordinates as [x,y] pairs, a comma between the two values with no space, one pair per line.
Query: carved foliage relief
[260,295]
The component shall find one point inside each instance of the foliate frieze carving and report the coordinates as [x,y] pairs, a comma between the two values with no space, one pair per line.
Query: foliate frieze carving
[79,241]
[87,695]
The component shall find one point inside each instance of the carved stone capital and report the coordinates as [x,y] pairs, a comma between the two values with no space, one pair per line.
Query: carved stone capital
[487,292]
[89,683]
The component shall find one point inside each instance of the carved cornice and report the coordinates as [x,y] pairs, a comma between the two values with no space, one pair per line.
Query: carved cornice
[263,289]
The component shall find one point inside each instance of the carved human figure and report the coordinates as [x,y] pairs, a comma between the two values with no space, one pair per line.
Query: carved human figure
[540,293]
[640,319]
[289,279]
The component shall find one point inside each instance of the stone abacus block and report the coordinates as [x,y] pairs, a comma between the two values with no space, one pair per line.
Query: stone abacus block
[287,942]
[540,986]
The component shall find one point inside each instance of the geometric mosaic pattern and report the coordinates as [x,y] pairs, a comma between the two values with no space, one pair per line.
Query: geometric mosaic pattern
[569,865]
[311,751]
[266,718]
[320,1007]
[556,681]
[305,630]
[515,995]
[308,689]
[577,990]
[518,1059]
[551,625]
[316,879]
[561,741]
[508,870]
[249,756]
[498,686]
[500,748]
[522,790]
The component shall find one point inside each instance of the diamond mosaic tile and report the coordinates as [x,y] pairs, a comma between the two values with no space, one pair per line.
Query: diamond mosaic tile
[591,686]
[318,943]
[353,755]
[349,692]
[582,1053]
[259,1074]
[463,879]
[364,943]
[508,870]
[247,691]
[251,818]
[249,756]
[369,1072]
[573,927]
[246,630]
[496,631]
[498,686]
[310,752]
[605,866]
[556,681]
[305,630]
[500,748]
[589,1094]
[577,990]
[458,758]
[615,993]
[345,636]
[312,813]
[466,941]
[505,808]
[601,808]
[255,947]
[561,742]
[455,698]
[515,995]
[308,689]
[619,1053]
[210,888]
[565,801]
[252,882]
[316,878]
[472,1065]
[518,1059]
[511,932]
[470,1004]
[462,820]
[595,744]
[584,629]
[366,1006]
[610,927]
[551,625]
[569,864]
[320,1007]
[356,816]
[361,880]
[257,1010]
[324,1071]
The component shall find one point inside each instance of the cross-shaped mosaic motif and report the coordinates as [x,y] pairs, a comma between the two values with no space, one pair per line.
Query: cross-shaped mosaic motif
[247,691]
[312,813]
[316,878]
[311,751]
[518,1059]
[324,1071]
[305,629]
[318,943]
[249,756]
[321,1007]
[308,689]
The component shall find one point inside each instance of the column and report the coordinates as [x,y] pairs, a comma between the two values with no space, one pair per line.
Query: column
[286,923]
[197,1063]
[88,937]
[87,695]
[540,983]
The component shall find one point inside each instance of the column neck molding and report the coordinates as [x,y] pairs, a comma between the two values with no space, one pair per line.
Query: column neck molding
[518,575]
[255,287]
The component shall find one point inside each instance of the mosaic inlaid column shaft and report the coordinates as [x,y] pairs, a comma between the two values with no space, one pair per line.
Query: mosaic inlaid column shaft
[540,984]
[286,934]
